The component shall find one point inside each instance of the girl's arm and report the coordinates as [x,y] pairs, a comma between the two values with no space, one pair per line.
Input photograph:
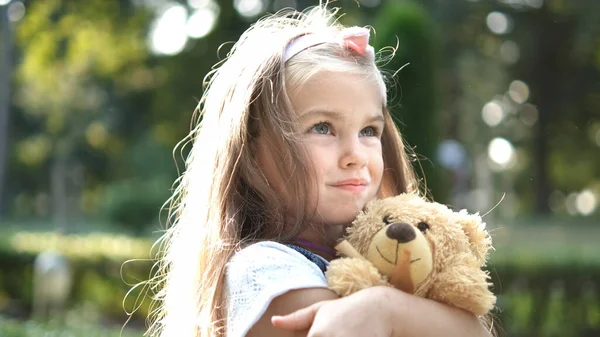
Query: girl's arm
[382,311]
[288,303]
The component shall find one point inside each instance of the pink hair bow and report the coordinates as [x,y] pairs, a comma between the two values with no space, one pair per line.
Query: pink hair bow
[357,39]
[354,38]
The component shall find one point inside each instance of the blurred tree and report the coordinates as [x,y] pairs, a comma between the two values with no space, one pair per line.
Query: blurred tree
[552,47]
[414,93]
[560,65]
[6,67]
[77,57]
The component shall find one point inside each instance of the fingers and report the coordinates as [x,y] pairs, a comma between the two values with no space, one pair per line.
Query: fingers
[298,320]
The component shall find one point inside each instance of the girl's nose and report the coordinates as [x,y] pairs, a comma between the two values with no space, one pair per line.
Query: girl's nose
[354,154]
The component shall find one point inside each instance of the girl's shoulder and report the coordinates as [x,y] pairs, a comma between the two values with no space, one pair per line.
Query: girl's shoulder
[273,255]
[258,273]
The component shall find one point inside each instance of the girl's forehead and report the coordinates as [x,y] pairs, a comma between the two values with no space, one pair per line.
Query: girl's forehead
[337,93]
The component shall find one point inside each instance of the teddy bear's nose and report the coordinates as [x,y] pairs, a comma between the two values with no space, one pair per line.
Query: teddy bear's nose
[401,232]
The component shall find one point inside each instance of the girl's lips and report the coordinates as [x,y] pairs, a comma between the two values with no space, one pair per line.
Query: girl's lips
[352,188]
[354,181]
[352,185]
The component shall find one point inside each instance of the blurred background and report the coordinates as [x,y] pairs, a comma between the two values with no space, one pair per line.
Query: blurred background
[500,100]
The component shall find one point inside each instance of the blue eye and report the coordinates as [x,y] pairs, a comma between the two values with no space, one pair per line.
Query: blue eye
[321,128]
[368,132]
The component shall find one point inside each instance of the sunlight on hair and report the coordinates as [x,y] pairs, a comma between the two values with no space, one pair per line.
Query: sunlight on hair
[222,201]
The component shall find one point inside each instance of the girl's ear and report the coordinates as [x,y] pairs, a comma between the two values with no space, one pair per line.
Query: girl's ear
[480,241]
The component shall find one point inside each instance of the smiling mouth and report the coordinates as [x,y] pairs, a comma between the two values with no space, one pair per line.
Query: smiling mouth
[396,257]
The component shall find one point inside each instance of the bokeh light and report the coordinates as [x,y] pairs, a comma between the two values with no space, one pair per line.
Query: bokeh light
[529,114]
[519,4]
[518,92]
[452,154]
[16,11]
[34,150]
[598,137]
[501,152]
[4,2]
[97,135]
[535,3]
[586,202]
[197,4]
[570,203]
[201,22]
[498,22]
[492,113]
[510,52]
[249,8]
[556,201]
[169,35]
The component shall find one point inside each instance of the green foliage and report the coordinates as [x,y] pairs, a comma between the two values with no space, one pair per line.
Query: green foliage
[100,281]
[414,100]
[135,204]
[66,44]
[547,300]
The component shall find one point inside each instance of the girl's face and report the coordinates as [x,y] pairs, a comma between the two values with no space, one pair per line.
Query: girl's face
[341,122]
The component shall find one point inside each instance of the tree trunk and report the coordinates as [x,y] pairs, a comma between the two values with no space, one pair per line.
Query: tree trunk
[550,66]
[5,81]
[58,185]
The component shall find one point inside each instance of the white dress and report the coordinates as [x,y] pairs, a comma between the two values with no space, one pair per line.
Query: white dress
[260,272]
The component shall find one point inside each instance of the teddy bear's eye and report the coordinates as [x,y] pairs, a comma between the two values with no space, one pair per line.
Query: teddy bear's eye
[387,219]
[423,226]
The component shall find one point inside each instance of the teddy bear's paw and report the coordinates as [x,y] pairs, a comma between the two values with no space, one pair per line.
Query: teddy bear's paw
[466,288]
[349,275]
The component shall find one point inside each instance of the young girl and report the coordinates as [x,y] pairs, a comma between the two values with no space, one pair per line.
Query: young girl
[294,139]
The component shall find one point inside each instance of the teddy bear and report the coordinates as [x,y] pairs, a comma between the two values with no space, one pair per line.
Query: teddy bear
[419,246]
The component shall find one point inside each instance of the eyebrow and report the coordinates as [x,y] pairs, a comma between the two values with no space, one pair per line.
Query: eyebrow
[335,115]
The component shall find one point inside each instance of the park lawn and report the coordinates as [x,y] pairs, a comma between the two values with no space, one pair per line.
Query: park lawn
[14,328]
[551,242]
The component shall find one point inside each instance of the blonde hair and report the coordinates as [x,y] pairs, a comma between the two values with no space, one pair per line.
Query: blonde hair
[223,200]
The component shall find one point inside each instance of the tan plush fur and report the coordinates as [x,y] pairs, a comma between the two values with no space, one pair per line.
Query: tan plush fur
[458,247]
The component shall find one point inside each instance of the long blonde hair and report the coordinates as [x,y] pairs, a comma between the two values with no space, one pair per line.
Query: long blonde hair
[223,200]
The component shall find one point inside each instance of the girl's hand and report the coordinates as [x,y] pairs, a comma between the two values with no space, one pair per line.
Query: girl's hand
[365,313]
[381,311]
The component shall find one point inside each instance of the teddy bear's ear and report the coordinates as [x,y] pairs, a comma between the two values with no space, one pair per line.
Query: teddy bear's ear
[480,241]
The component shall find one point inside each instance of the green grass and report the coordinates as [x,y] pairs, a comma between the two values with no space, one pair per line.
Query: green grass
[524,243]
[83,320]
[14,328]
